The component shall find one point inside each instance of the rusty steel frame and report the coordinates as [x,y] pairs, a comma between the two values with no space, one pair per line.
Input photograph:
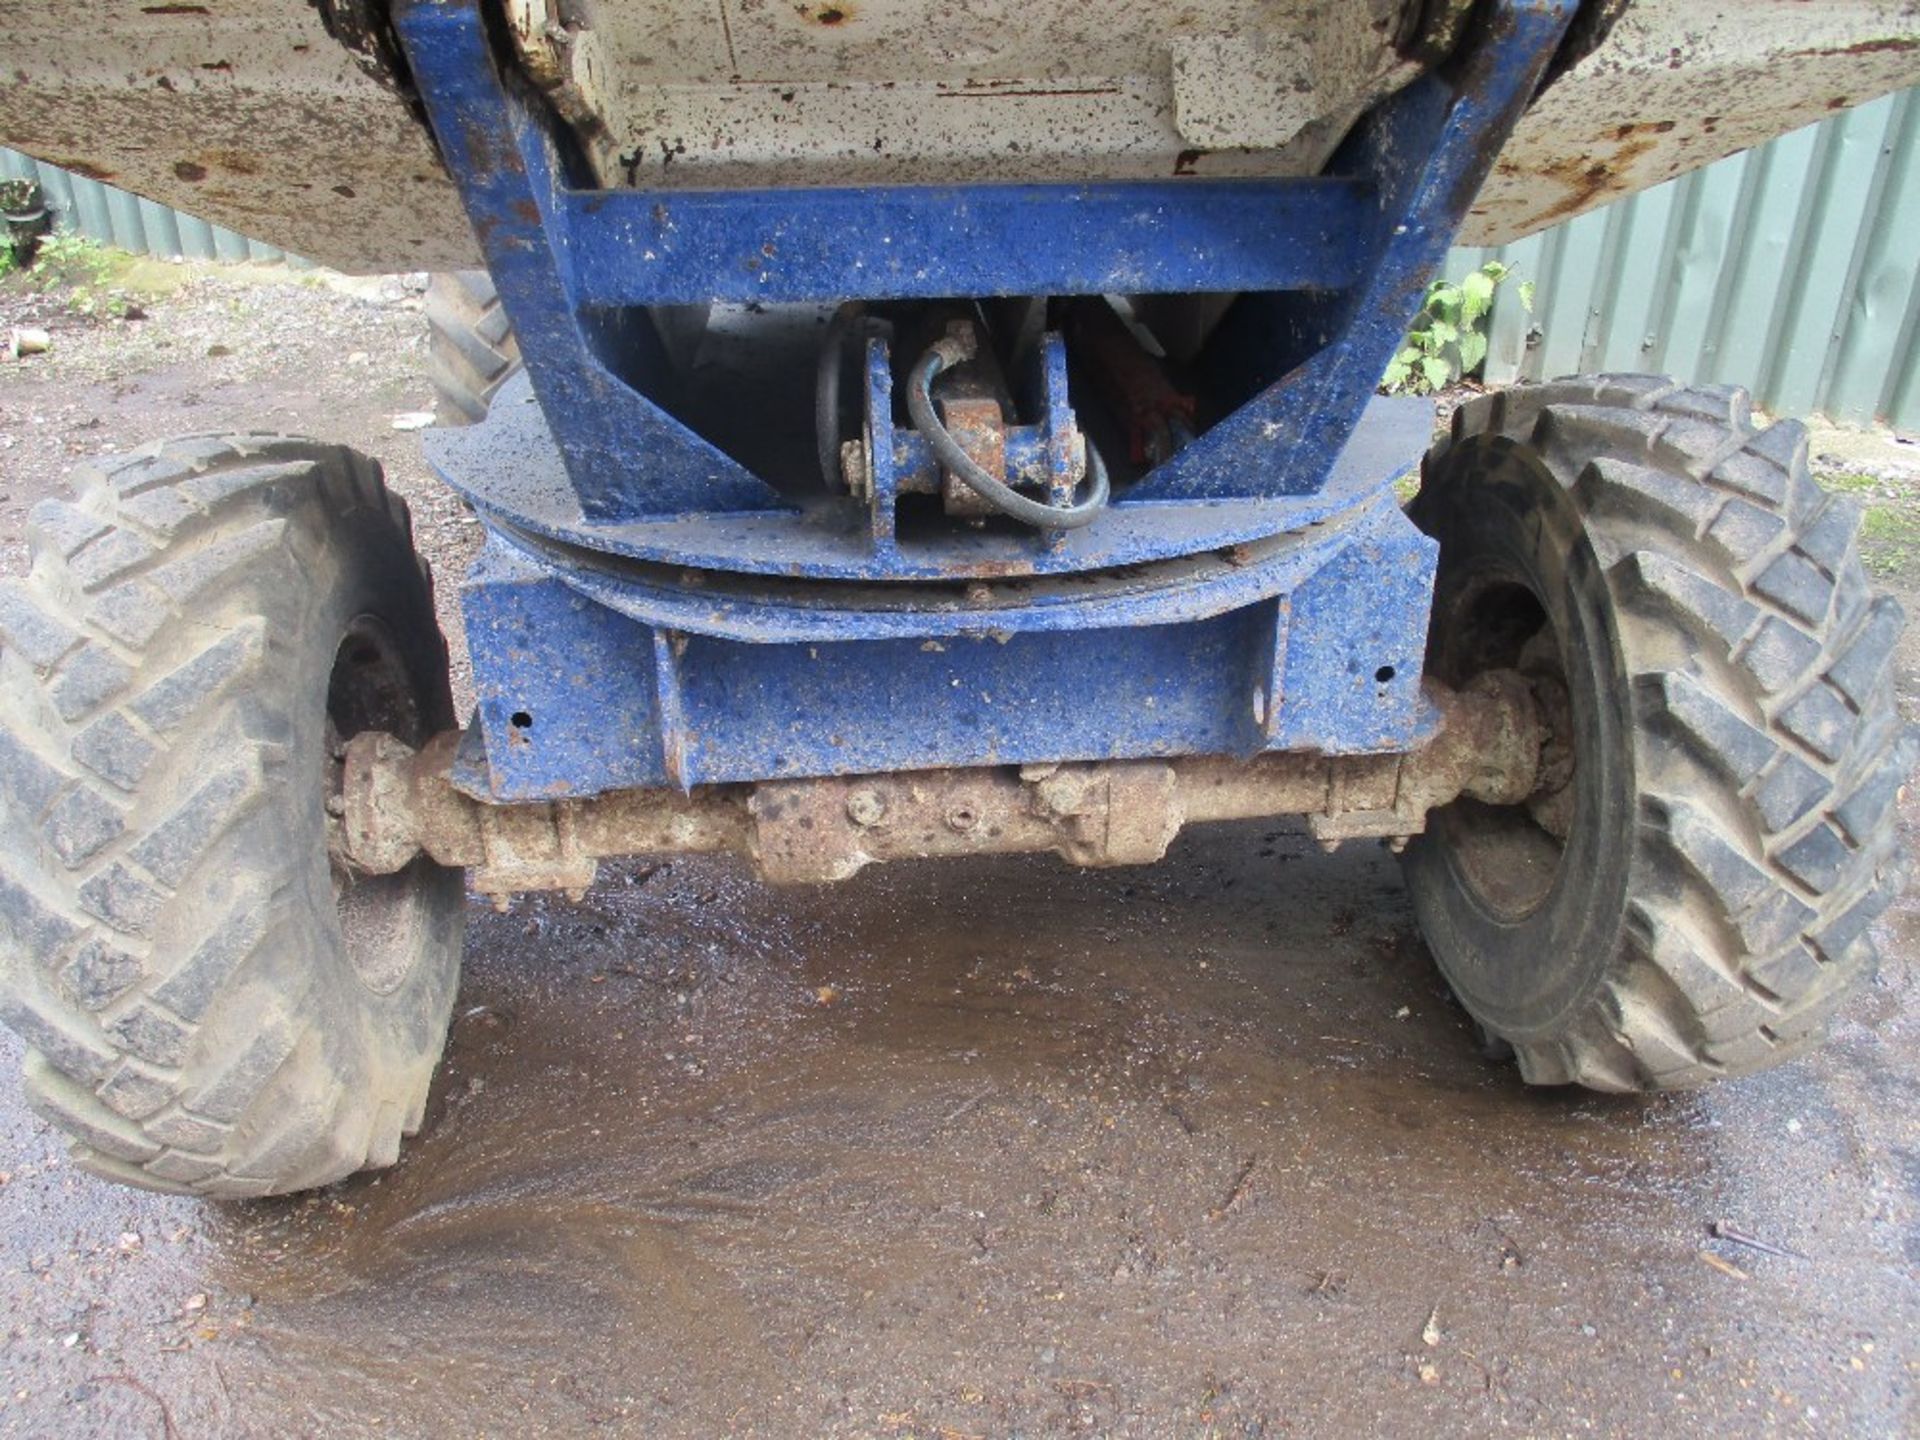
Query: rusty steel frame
[396,804]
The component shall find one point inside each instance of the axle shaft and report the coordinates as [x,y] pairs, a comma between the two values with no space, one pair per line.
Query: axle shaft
[397,803]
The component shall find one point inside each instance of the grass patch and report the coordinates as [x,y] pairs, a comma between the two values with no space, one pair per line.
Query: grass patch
[1890,532]
[95,280]
[1851,482]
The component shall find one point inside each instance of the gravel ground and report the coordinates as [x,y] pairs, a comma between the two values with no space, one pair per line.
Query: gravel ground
[984,1149]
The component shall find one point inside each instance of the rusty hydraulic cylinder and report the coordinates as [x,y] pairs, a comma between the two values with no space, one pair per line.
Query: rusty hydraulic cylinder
[396,804]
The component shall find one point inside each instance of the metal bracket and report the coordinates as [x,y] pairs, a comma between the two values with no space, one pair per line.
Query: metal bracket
[888,462]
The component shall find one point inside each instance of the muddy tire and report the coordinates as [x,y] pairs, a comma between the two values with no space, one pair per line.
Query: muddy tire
[471,350]
[1689,895]
[210,1005]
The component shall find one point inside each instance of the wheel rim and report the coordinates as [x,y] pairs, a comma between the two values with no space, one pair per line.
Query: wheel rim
[1509,857]
[383,919]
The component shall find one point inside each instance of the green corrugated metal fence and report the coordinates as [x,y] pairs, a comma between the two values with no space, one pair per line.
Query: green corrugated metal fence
[118,218]
[1793,269]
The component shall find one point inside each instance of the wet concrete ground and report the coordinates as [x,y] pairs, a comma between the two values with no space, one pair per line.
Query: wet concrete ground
[982,1149]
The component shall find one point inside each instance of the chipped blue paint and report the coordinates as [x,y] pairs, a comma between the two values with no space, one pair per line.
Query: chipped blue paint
[511,468]
[928,242]
[662,685]
[651,610]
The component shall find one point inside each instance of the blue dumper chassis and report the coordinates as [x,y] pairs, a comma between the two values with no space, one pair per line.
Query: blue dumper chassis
[827,526]
[654,610]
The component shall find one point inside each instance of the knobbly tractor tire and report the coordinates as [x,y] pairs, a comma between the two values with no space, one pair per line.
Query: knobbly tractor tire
[1689,894]
[471,351]
[210,1005]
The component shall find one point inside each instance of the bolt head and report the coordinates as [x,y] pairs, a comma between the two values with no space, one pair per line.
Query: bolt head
[1063,793]
[855,470]
[866,808]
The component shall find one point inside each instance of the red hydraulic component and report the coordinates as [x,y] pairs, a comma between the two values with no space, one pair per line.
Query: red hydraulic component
[1133,383]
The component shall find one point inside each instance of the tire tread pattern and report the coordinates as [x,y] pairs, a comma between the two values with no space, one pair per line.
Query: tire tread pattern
[471,350]
[91,708]
[1768,743]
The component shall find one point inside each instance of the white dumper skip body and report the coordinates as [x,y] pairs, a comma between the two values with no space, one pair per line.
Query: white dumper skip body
[291,122]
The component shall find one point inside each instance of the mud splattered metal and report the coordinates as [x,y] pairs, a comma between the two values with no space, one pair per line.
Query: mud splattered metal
[659,612]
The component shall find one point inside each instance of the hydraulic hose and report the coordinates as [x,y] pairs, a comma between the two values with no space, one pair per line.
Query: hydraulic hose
[826,392]
[995,492]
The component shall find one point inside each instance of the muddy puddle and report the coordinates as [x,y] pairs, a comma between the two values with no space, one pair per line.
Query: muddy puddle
[998,1149]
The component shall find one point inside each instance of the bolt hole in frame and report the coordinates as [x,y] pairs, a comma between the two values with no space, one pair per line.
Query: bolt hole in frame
[737,619]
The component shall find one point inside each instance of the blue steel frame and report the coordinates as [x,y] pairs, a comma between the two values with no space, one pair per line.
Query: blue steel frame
[651,611]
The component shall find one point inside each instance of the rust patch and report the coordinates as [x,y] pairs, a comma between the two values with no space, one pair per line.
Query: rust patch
[174,10]
[1891,45]
[837,12]
[237,162]
[1589,180]
[1586,186]
[487,157]
[189,170]
[1001,92]
[84,169]
[975,422]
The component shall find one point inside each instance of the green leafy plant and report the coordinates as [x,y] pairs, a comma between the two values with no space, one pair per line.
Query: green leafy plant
[1449,337]
[87,270]
[111,304]
[70,258]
